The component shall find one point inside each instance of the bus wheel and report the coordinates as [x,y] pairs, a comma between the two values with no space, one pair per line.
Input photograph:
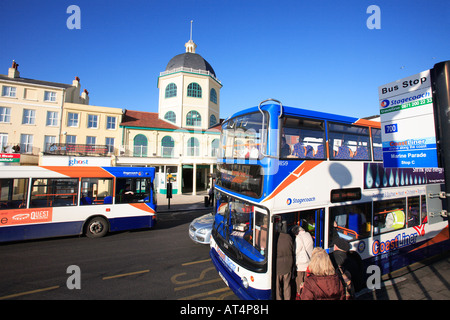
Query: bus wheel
[96,227]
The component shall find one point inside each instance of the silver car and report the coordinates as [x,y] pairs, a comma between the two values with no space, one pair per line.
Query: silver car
[200,228]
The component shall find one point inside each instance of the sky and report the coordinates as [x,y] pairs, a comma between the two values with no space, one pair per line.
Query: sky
[316,54]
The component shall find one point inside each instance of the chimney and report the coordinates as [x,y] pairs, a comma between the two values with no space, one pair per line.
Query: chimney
[85,97]
[76,82]
[13,72]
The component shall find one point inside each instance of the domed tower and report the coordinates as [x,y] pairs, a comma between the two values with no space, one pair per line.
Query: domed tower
[189,91]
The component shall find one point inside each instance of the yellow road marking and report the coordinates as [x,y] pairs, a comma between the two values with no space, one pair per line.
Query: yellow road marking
[125,274]
[198,284]
[28,292]
[195,262]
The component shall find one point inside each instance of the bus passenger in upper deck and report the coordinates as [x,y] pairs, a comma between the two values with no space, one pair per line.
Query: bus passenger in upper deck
[299,149]
[285,148]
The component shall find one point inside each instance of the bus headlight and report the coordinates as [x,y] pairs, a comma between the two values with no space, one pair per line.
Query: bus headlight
[245,282]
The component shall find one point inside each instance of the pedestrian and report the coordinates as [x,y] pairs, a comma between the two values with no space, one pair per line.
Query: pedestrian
[304,246]
[322,282]
[285,263]
[346,267]
[211,194]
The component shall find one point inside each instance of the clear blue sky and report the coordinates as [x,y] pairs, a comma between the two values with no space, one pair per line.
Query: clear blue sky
[316,54]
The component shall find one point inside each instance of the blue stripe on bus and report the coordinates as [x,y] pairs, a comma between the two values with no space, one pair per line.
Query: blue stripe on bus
[234,282]
[42,230]
[59,229]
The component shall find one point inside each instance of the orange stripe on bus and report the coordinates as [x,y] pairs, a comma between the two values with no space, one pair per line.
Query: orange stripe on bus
[142,206]
[297,173]
[76,172]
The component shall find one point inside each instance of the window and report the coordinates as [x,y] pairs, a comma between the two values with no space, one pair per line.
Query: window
[377,144]
[50,96]
[48,141]
[194,90]
[140,146]
[110,144]
[170,116]
[71,139]
[193,147]
[212,120]
[92,121]
[171,90]
[53,192]
[72,119]
[5,114]
[26,143]
[96,191]
[193,118]
[214,147]
[110,123]
[29,116]
[244,228]
[242,136]
[241,178]
[13,193]
[130,190]
[348,142]
[9,92]
[351,222]
[52,119]
[4,143]
[388,215]
[167,147]
[91,140]
[302,139]
[213,95]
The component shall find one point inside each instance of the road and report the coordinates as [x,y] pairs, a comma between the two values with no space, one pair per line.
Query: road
[158,264]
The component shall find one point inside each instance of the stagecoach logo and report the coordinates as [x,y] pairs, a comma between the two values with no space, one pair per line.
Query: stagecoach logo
[385,103]
[290,201]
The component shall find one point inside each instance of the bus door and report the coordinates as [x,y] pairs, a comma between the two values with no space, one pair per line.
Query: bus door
[313,221]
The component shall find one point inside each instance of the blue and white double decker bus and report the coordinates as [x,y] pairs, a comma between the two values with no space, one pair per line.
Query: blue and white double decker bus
[287,166]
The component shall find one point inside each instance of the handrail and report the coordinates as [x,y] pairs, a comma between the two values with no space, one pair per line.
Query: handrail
[264,143]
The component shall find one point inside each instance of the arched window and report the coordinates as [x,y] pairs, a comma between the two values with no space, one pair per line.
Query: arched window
[193,118]
[212,120]
[213,95]
[167,147]
[140,146]
[171,90]
[170,116]
[214,147]
[193,147]
[194,90]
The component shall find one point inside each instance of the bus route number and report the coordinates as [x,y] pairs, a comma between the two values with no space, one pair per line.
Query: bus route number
[391,128]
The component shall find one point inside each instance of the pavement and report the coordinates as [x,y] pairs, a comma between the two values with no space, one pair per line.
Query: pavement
[425,280]
[182,202]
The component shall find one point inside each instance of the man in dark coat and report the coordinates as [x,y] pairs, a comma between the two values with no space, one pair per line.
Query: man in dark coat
[342,258]
[285,262]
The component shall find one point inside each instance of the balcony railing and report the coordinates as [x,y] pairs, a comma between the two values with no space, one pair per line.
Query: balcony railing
[199,71]
[72,149]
